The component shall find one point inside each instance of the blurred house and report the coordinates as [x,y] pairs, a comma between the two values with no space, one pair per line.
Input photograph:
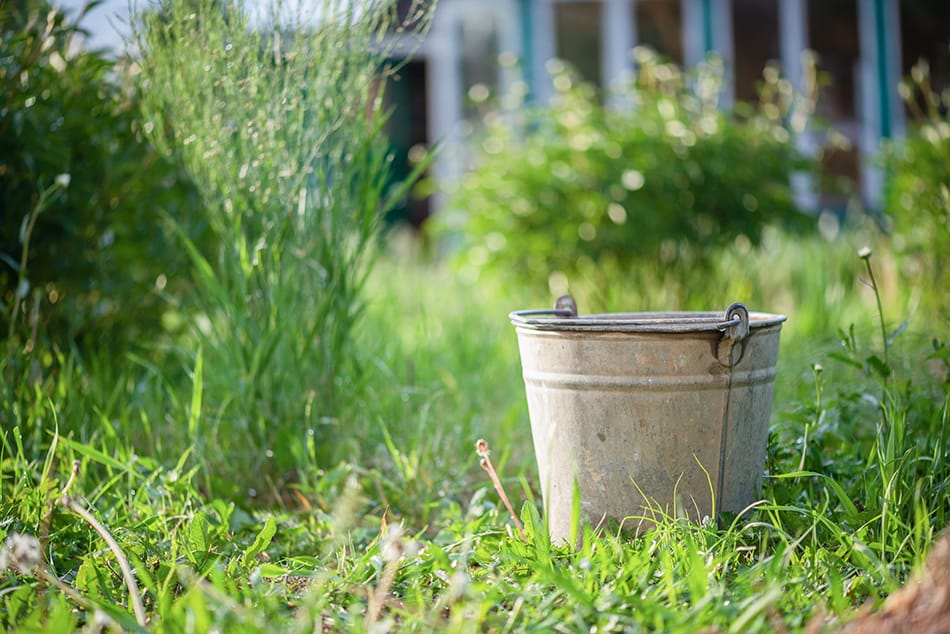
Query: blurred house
[864,47]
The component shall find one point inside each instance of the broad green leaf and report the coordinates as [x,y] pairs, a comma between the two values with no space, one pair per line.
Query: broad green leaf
[261,542]
[269,571]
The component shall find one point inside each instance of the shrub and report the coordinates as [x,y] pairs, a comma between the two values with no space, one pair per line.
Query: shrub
[278,122]
[98,245]
[660,183]
[918,194]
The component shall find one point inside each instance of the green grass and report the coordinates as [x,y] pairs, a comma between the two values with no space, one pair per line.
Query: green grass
[391,524]
[298,453]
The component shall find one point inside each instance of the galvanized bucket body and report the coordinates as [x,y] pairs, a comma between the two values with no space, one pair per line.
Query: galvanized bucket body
[647,412]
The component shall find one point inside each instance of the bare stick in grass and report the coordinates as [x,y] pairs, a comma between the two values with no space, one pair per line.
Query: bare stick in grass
[481,447]
[73,505]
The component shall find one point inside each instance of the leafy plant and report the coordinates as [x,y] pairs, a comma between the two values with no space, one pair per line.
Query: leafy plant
[918,196]
[101,262]
[277,119]
[659,184]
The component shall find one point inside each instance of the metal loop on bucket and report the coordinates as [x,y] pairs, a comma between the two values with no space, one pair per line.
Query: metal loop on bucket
[732,345]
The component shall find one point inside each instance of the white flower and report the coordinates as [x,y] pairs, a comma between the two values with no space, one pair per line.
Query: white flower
[391,548]
[63,180]
[395,545]
[865,252]
[101,620]
[20,552]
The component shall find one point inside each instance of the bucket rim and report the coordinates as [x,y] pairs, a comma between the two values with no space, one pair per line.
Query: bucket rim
[657,322]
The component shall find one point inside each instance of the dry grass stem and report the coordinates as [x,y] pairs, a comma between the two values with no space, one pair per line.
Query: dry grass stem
[77,508]
[378,597]
[393,546]
[481,447]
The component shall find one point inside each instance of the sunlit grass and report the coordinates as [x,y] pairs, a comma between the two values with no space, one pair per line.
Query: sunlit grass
[388,521]
[299,454]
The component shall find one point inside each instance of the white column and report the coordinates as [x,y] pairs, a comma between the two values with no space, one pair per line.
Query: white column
[707,27]
[724,46]
[867,108]
[793,40]
[443,98]
[617,28]
[793,37]
[509,40]
[694,45]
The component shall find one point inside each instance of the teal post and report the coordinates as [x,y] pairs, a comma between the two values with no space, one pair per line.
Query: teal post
[527,45]
[707,27]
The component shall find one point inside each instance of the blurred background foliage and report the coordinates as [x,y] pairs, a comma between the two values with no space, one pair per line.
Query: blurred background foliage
[664,190]
[657,182]
[101,263]
[918,194]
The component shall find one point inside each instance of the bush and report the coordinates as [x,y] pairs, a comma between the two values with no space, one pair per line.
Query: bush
[661,183]
[918,194]
[97,246]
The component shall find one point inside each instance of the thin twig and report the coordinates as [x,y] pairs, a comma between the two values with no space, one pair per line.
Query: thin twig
[393,546]
[481,447]
[77,508]
[72,478]
[46,576]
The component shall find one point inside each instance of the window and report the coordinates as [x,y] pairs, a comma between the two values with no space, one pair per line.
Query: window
[833,35]
[578,37]
[478,56]
[755,22]
[925,33]
[659,25]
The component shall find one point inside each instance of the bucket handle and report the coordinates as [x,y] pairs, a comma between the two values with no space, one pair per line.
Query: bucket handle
[734,325]
[565,306]
[731,347]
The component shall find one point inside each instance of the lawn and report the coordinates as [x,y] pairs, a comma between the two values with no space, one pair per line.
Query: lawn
[252,407]
[401,529]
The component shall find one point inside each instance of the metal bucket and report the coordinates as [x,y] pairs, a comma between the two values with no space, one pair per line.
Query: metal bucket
[647,412]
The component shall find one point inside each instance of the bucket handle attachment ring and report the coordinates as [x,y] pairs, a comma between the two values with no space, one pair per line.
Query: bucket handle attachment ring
[731,347]
[566,303]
